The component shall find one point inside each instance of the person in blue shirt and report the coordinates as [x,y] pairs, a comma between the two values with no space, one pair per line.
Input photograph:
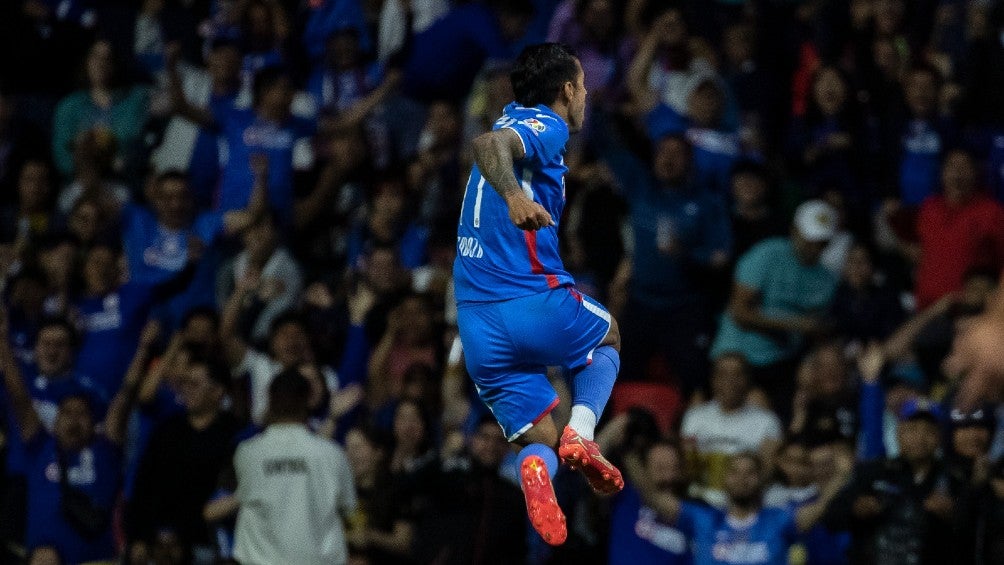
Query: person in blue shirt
[518,311]
[682,237]
[157,242]
[268,128]
[69,455]
[442,61]
[110,315]
[744,533]
[638,534]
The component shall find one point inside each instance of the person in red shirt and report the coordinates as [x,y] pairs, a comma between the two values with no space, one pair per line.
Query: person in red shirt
[959,229]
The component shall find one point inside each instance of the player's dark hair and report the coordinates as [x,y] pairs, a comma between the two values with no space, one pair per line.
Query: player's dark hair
[540,73]
[288,396]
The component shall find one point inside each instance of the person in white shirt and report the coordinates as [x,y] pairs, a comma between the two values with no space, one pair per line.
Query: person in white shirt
[725,426]
[293,488]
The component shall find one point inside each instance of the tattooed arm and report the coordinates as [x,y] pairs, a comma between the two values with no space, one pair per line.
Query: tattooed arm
[494,153]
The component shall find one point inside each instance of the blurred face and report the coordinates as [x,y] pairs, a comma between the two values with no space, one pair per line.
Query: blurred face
[738,44]
[886,57]
[704,105]
[224,64]
[33,186]
[888,15]
[918,440]
[742,481]
[488,446]
[364,457]
[290,344]
[261,239]
[858,270]
[101,270]
[577,101]
[173,203]
[748,190]
[85,221]
[99,64]
[958,177]
[387,209]
[199,394]
[971,442]
[795,464]
[664,467]
[729,383]
[53,351]
[830,371]
[829,91]
[74,425]
[808,252]
[921,90]
[278,96]
[671,161]
[409,430]
[382,271]
[598,19]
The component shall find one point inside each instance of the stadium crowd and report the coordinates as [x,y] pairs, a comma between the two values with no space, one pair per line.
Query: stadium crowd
[226,251]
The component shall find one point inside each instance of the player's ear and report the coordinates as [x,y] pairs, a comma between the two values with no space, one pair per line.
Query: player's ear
[568,89]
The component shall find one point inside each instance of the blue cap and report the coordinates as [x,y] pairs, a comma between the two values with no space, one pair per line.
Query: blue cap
[920,408]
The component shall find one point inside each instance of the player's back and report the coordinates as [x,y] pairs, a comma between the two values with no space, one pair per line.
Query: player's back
[495,259]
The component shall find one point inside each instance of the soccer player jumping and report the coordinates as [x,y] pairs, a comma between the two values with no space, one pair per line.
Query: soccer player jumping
[518,310]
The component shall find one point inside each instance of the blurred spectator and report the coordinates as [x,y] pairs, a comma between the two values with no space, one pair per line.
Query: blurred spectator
[825,404]
[29,217]
[822,141]
[959,230]
[392,222]
[327,17]
[182,463]
[399,22]
[969,435]
[727,425]
[263,29]
[93,164]
[111,314]
[754,212]
[593,28]
[680,236]
[864,310]
[638,533]
[185,145]
[778,299]
[106,104]
[264,257]
[442,61]
[407,341]
[903,510]
[382,530]
[293,488]
[21,143]
[921,137]
[268,128]
[988,520]
[476,516]
[72,474]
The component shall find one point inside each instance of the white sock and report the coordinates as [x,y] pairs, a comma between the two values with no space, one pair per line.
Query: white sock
[583,421]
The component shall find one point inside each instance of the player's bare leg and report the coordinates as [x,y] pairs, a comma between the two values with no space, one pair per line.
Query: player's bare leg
[536,461]
[577,448]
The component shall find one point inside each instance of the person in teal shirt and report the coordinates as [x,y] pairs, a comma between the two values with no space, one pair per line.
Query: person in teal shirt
[105,105]
[780,295]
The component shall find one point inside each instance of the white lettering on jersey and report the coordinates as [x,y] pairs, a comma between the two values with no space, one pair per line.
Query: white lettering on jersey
[470,247]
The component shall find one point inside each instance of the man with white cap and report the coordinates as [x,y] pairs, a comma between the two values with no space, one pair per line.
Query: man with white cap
[779,297]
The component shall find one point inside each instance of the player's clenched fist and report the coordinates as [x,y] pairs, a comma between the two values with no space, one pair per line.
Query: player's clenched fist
[527,214]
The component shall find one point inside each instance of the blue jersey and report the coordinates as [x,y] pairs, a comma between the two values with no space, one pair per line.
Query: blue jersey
[495,259]
[717,539]
[638,536]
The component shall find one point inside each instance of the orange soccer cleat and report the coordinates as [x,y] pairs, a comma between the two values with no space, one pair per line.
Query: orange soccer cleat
[541,504]
[584,455]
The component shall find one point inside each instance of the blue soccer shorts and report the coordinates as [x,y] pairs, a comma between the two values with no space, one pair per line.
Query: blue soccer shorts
[509,345]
